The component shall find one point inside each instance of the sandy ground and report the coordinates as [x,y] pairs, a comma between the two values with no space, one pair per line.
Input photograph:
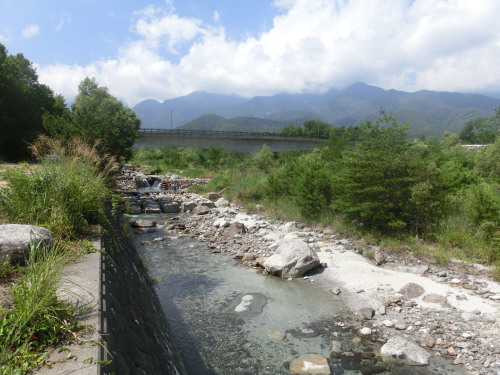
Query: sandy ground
[352,273]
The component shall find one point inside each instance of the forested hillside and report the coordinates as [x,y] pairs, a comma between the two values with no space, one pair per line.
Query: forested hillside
[427,112]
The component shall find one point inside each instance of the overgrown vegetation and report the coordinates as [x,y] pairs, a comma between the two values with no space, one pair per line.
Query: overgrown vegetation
[187,160]
[38,319]
[64,193]
[386,186]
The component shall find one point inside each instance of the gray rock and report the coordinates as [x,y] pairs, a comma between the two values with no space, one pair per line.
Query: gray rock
[170,207]
[143,223]
[151,206]
[292,258]
[200,210]
[221,202]
[434,298]
[16,239]
[379,258]
[411,290]
[367,313]
[399,349]
[422,270]
[212,196]
[208,204]
[188,206]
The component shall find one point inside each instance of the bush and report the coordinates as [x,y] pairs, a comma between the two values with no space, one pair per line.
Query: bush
[64,194]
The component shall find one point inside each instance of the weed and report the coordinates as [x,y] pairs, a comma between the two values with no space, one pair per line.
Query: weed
[38,319]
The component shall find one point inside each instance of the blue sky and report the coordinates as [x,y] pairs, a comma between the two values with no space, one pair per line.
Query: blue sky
[166,48]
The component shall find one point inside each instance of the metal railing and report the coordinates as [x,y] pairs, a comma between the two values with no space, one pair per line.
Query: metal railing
[219,133]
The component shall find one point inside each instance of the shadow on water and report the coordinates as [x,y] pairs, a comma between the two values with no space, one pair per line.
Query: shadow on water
[177,287]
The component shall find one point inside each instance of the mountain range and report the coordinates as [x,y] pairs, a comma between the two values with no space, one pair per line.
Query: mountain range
[427,112]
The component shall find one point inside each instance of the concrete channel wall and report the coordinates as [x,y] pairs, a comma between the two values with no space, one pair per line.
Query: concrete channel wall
[126,331]
[135,332]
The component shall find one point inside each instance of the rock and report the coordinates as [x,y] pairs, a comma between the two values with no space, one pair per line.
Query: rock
[310,364]
[16,239]
[259,208]
[150,206]
[399,349]
[170,207]
[452,351]
[367,313]
[292,258]
[276,335]
[248,257]
[388,323]
[221,202]
[379,258]
[336,291]
[429,341]
[188,206]
[411,290]
[200,210]
[207,204]
[365,331]
[434,298]
[422,270]
[143,223]
[212,196]
[290,226]
[236,228]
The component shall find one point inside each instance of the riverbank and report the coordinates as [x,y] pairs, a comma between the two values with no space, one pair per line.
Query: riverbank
[452,310]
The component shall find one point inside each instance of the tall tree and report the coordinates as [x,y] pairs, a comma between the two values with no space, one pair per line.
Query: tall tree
[23,102]
[97,116]
[375,179]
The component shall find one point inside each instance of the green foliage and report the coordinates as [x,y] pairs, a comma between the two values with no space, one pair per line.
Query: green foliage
[374,183]
[264,160]
[63,195]
[481,130]
[310,129]
[191,160]
[23,102]
[97,116]
[38,319]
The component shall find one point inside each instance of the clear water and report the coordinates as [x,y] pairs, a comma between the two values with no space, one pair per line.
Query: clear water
[231,320]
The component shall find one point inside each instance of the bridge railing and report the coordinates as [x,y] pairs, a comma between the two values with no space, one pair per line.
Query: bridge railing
[215,133]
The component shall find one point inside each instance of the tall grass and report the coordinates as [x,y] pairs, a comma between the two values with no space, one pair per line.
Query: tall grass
[37,319]
[64,195]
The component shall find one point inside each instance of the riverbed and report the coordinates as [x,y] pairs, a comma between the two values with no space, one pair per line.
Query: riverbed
[228,319]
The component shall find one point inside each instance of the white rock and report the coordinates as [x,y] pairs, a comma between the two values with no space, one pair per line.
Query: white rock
[399,349]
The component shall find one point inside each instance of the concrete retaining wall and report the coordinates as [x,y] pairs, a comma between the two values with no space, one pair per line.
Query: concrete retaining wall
[232,143]
[135,332]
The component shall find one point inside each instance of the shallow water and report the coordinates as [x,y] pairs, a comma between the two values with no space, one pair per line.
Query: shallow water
[231,320]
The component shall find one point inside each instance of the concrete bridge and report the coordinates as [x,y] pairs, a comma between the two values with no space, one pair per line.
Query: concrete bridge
[250,142]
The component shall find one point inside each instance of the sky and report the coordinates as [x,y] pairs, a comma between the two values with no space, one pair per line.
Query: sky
[161,49]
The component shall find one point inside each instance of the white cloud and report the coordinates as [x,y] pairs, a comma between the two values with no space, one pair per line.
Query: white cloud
[64,19]
[311,46]
[216,16]
[30,31]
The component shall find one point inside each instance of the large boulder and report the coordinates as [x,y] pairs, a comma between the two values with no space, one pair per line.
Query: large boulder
[292,258]
[399,349]
[16,239]
[170,206]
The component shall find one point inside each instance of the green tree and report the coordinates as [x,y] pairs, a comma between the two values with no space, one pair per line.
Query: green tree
[97,116]
[375,180]
[264,159]
[23,101]
[481,130]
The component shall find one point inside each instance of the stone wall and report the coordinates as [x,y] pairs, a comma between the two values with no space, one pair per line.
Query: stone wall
[135,332]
